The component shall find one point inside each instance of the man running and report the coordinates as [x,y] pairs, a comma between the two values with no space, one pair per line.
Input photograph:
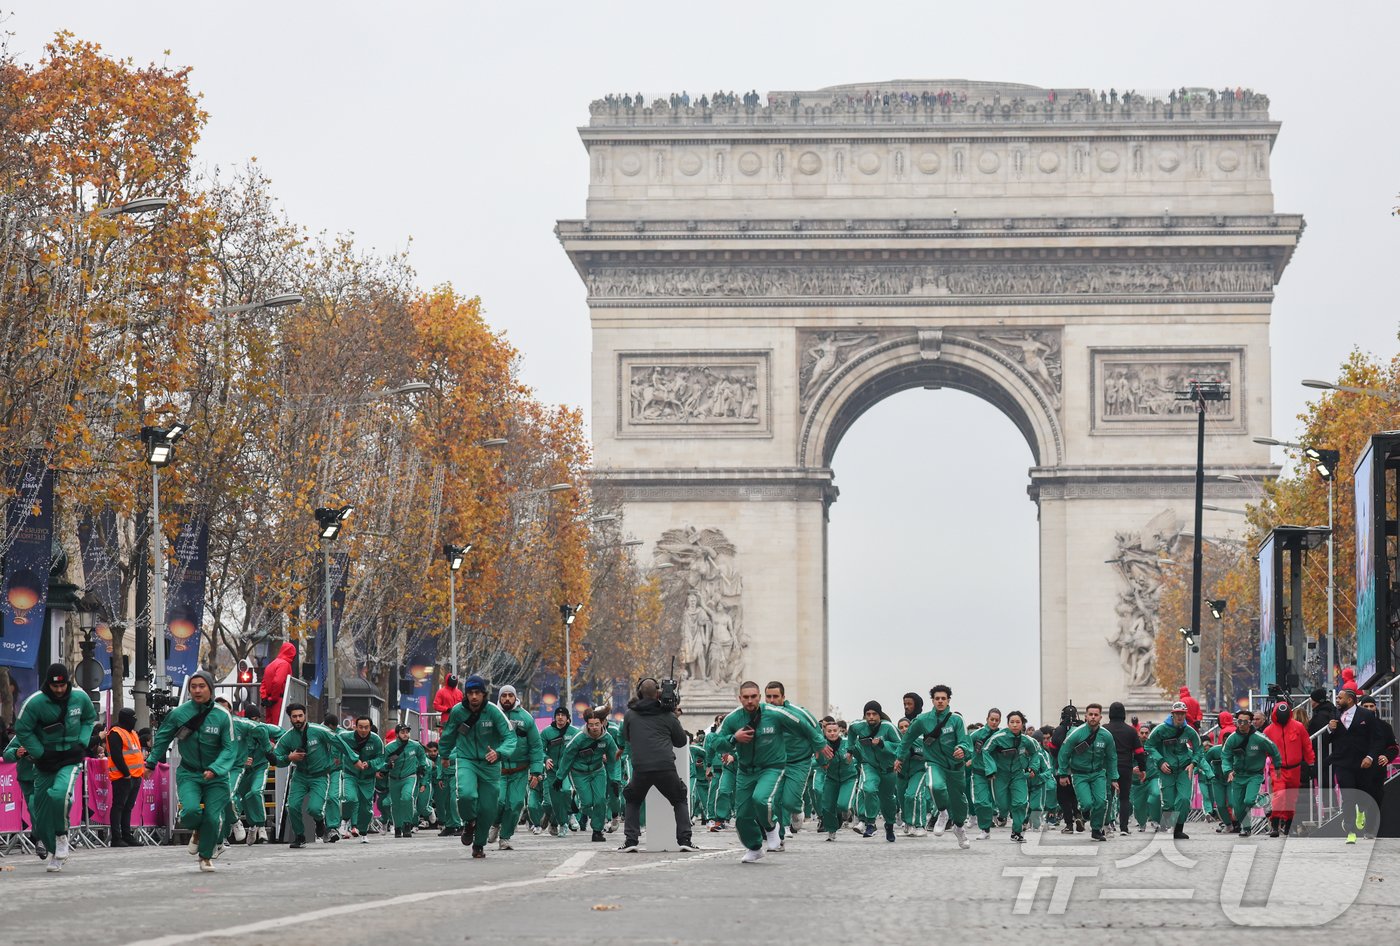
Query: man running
[754,734]
[588,760]
[721,766]
[840,773]
[405,763]
[874,742]
[363,750]
[1088,762]
[521,770]
[799,759]
[1242,761]
[54,727]
[946,750]
[314,753]
[1147,789]
[208,754]
[556,802]
[475,737]
[1174,750]
[255,739]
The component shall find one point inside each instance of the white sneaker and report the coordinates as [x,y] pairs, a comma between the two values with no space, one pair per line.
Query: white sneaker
[919,833]
[55,865]
[250,837]
[494,835]
[364,839]
[941,824]
[751,856]
[831,836]
[240,833]
[61,848]
[504,845]
[535,829]
[773,841]
[961,835]
[218,851]
[985,836]
[905,829]
[554,831]
[796,825]
[193,846]
[206,865]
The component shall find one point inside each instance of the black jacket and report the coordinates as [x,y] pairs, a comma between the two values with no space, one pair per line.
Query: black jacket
[653,734]
[1348,746]
[1127,741]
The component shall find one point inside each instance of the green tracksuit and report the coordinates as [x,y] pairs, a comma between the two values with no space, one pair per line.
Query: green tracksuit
[1090,759]
[467,739]
[589,762]
[982,798]
[254,755]
[761,763]
[874,748]
[798,767]
[722,775]
[622,773]
[1242,762]
[358,781]
[941,735]
[1178,748]
[516,769]
[311,777]
[840,776]
[1147,797]
[444,802]
[55,733]
[556,801]
[699,782]
[1010,763]
[1041,788]
[24,772]
[1216,797]
[207,744]
[405,762]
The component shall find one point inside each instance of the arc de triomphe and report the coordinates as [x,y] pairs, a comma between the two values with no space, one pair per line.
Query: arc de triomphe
[758,276]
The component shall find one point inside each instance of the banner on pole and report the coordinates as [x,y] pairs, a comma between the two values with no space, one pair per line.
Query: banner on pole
[184,607]
[97,540]
[29,527]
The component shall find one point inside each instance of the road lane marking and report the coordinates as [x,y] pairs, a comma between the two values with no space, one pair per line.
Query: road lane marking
[278,923]
[573,864]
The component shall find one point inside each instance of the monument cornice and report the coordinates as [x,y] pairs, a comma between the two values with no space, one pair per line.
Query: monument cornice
[1158,481]
[734,484]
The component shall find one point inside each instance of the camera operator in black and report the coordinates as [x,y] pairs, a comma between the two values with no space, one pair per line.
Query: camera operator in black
[653,732]
[1064,795]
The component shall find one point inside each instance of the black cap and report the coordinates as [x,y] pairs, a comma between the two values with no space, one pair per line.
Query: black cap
[57,673]
[873,705]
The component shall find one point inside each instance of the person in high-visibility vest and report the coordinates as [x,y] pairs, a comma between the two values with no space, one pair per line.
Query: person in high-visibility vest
[126,766]
[54,727]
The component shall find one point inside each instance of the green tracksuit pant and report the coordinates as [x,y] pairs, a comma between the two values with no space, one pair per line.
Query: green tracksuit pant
[359,803]
[423,799]
[248,794]
[592,788]
[794,784]
[877,795]
[477,786]
[203,806]
[335,797]
[1176,797]
[756,793]
[1244,790]
[700,798]
[722,795]
[949,790]
[1012,799]
[1215,796]
[403,802]
[984,801]
[49,799]
[836,800]
[1091,795]
[514,789]
[1147,801]
[445,804]
[314,790]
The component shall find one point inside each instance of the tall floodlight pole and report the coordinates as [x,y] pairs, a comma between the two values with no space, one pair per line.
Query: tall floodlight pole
[454,555]
[1199,393]
[328,525]
[160,451]
[1325,461]
[567,612]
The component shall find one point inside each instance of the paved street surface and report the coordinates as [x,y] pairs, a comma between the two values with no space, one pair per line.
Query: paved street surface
[548,891]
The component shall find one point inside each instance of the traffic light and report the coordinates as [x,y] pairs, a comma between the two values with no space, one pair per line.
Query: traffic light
[245,673]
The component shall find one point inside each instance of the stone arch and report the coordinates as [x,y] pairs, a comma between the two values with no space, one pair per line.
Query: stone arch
[928,358]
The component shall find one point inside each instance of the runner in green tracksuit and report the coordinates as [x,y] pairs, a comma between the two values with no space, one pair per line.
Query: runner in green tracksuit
[208,756]
[314,753]
[335,795]
[1089,760]
[405,762]
[913,805]
[361,752]
[754,735]
[1041,788]
[1174,750]
[1147,789]
[723,769]
[1242,761]
[840,774]
[623,774]
[1011,762]
[590,759]
[874,742]
[446,813]
[255,739]
[25,772]
[1215,797]
[946,750]
[799,759]
[983,801]
[556,802]
[54,727]
[699,778]
[475,738]
[522,769]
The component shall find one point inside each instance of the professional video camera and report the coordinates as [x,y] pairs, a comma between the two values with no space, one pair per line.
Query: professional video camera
[161,701]
[670,695]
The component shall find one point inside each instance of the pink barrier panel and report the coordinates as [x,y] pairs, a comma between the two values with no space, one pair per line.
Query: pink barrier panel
[99,791]
[75,810]
[163,777]
[14,816]
[146,812]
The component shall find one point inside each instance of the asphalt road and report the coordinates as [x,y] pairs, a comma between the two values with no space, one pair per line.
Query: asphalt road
[428,890]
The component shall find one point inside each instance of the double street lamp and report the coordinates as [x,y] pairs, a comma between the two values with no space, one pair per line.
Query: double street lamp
[328,525]
[455,555]
[567,613]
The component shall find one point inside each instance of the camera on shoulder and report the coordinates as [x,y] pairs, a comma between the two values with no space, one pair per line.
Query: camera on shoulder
[670,695]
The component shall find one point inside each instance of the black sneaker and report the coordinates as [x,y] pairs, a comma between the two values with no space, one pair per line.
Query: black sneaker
[445,833]
[1098,836]
[630,847]
[299,842]
[1017,836]
[687,846]
[889,833]
[478,852]
[1079,825]
[598,836]
[1180,835]
[468,833]
[869,831]
[332,836]
[398,832]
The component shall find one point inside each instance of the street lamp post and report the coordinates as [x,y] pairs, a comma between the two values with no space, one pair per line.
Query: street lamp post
[568,612]
[329,523]
[1199,393]
[454,555]
[160,451]
[1373,392]
[1325,462]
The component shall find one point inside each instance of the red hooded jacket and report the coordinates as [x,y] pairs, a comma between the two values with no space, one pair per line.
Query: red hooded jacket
[1193,706]
[274,683]
[447,696]
[1291,737]
[1227,726]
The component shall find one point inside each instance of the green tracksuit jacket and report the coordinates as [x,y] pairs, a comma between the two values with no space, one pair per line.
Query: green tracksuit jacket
[207,743]
[1178,748]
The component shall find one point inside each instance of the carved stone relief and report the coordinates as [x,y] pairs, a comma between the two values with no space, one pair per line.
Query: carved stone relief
[1138,387]
[692,393]
[822,353]
[1138,564]
[704,568]
[928,280]
[1038,351]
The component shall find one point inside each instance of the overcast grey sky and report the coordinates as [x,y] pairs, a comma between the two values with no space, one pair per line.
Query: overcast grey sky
[453,125]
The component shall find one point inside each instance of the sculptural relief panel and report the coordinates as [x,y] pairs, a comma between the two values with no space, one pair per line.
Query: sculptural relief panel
[693,394]
[1135,389]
